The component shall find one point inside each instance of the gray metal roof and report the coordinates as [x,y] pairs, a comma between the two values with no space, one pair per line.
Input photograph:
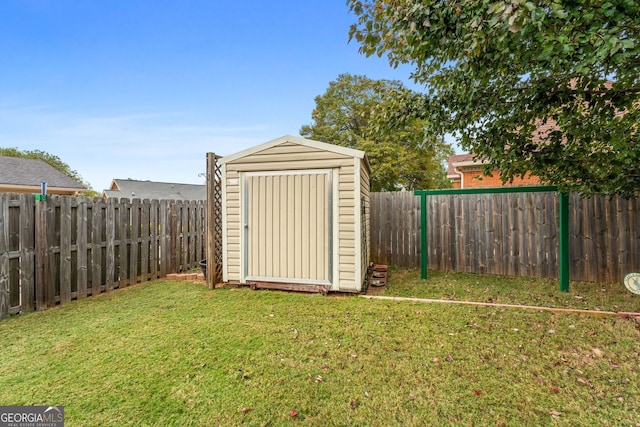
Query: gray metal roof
[31,172]
[132,189]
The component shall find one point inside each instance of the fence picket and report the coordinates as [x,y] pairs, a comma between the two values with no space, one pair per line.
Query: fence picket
[27,266]
[65,250]
[5,286]
[81,248]
[134,252]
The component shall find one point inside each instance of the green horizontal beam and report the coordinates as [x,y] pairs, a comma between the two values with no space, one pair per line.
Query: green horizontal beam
[487,190]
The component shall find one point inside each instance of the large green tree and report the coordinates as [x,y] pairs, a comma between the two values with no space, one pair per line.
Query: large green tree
[544,86]
[352,113]
[51,159]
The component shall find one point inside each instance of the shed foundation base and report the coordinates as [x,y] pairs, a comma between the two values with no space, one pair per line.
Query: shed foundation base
[299,287]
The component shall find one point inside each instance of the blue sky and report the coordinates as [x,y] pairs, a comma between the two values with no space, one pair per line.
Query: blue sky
[143,89]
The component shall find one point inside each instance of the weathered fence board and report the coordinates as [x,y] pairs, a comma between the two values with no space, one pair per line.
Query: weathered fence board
[4,258]
[64,248]
[27,254]
[508,234]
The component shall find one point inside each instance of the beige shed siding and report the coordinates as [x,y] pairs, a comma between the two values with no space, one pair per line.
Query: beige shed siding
[231,227]
[348,191]
[366,227]
[346,229]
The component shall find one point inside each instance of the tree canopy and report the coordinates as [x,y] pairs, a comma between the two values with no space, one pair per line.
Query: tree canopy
[352,113]
[543,86]
[48,158]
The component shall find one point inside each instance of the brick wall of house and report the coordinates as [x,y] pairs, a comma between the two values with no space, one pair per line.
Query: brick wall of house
[475,179]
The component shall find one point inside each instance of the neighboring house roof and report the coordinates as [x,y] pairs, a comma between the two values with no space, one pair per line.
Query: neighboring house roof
[26,175]
[459,160]
[465,172]
[132,189]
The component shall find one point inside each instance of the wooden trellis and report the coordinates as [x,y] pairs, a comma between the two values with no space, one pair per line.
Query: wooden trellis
[214,220]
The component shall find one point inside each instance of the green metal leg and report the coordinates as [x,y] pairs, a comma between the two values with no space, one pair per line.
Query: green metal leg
[564,242]
[424,245]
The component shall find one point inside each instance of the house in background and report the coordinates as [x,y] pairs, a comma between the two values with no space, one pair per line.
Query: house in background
[19,175]
[466,172]
[133,189]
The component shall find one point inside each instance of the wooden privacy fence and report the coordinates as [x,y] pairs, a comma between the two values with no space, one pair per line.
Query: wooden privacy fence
[68,247]
[508,234]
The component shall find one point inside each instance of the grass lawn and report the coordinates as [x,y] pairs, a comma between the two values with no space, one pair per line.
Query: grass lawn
[178,354]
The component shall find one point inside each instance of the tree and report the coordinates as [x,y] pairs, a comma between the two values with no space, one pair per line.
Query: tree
[48,158]
[497,72]
[352,113]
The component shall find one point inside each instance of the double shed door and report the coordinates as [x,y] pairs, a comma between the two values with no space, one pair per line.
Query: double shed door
[288,226]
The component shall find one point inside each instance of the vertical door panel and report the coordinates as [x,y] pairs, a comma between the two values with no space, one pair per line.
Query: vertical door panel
[288,218]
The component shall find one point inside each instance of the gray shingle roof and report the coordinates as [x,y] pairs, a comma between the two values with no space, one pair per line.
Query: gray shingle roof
[132,189]
[31,172]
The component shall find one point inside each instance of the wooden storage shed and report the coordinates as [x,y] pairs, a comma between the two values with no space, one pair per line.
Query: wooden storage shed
[295,216]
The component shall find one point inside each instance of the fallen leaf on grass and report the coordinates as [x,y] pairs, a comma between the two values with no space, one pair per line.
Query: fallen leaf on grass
[449,358]
[597,352]
[354,404]
[555,414]
[478,392]
[554,389]
[583,381]
[293,413]
[245,409]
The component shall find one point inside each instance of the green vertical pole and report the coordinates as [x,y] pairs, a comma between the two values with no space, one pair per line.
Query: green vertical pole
[563,244]
[424,245]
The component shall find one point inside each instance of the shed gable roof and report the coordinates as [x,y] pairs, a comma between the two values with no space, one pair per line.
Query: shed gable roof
[323,146]
[31,172]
